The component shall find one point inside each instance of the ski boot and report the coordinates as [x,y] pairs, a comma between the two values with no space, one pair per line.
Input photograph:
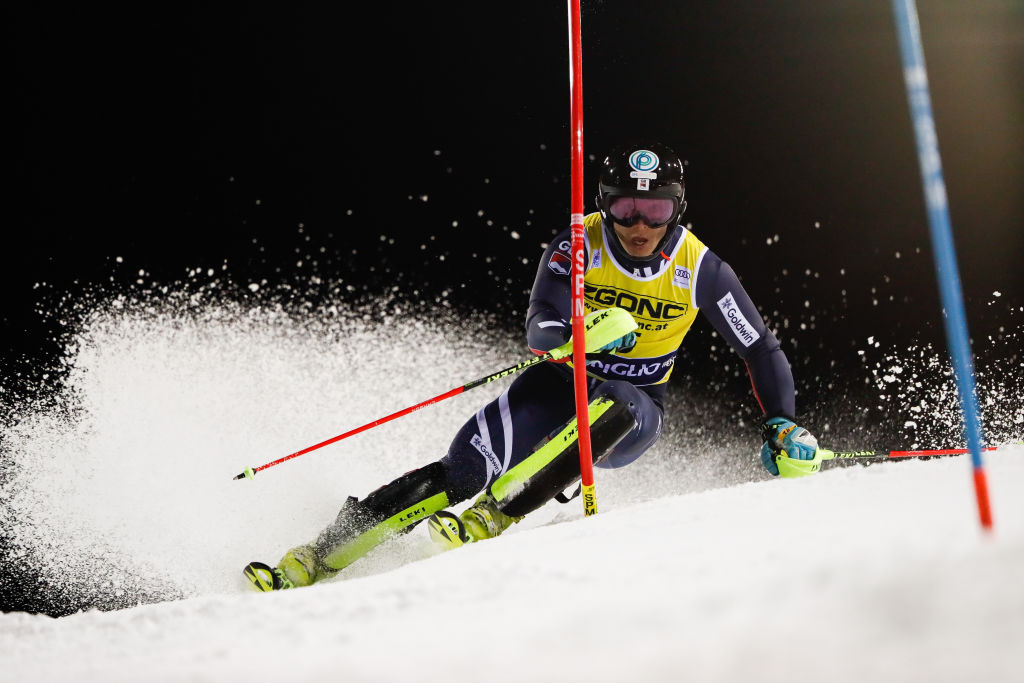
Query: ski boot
[480,521]
[298,567]
[361,525]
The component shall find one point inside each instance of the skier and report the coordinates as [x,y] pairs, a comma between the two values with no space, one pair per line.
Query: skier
[520,450]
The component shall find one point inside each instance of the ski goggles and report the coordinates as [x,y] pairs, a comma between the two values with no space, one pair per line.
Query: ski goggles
[654,211]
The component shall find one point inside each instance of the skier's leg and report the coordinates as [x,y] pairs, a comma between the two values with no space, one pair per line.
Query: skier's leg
[482,450]
[491,447]
[648,414]
[508,428]
[625,421]
[361,525]
[497,438]
[620,421]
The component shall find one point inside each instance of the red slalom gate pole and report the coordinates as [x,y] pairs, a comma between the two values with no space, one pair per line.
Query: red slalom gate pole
[579,354]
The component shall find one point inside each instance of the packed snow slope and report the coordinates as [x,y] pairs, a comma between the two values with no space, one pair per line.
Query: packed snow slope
[698,567]
[857,574]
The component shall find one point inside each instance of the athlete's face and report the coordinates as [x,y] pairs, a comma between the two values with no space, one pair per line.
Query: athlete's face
[640,240]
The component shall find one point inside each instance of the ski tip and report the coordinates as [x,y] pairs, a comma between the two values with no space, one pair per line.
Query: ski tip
[263,577]
[447,530]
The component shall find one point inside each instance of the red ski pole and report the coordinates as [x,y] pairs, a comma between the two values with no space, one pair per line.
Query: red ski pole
[602,327]
[847,455]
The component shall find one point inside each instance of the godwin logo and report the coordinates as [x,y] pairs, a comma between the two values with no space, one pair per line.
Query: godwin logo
[492,460]
[743,330]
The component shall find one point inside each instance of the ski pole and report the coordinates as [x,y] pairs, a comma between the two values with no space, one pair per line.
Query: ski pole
[602,327]
[848,455]
[789,467]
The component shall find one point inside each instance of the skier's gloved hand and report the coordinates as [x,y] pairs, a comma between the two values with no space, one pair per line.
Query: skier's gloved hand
[624,342]
[788,450]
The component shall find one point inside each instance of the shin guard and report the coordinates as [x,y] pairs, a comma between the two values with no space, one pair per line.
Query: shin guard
[555,464]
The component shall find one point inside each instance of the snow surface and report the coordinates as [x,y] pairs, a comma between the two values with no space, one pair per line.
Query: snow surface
[858,574]
[689,571]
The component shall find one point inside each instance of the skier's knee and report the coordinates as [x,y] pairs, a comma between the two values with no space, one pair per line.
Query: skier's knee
[554,465]
[647,415]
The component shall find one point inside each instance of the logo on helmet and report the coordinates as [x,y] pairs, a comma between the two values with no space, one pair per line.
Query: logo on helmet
[644,160]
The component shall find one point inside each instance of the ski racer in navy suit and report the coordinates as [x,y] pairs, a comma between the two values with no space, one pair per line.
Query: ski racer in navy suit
[519,451]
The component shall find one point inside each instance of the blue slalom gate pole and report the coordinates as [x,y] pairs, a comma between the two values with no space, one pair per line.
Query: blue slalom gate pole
[916,78]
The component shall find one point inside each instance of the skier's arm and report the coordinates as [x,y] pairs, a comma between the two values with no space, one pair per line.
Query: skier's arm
[728,307]
[547,320]
[788,450]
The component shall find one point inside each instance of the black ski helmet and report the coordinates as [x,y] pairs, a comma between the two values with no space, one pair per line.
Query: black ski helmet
[642,170]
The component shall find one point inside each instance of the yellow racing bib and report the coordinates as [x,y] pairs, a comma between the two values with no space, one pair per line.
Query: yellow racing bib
[659,296]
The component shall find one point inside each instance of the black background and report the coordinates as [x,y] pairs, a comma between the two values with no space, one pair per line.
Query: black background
[423,150]
[248,139]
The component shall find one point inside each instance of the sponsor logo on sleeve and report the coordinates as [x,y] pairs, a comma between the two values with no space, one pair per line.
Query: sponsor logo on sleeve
[743,330]
[560,263]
